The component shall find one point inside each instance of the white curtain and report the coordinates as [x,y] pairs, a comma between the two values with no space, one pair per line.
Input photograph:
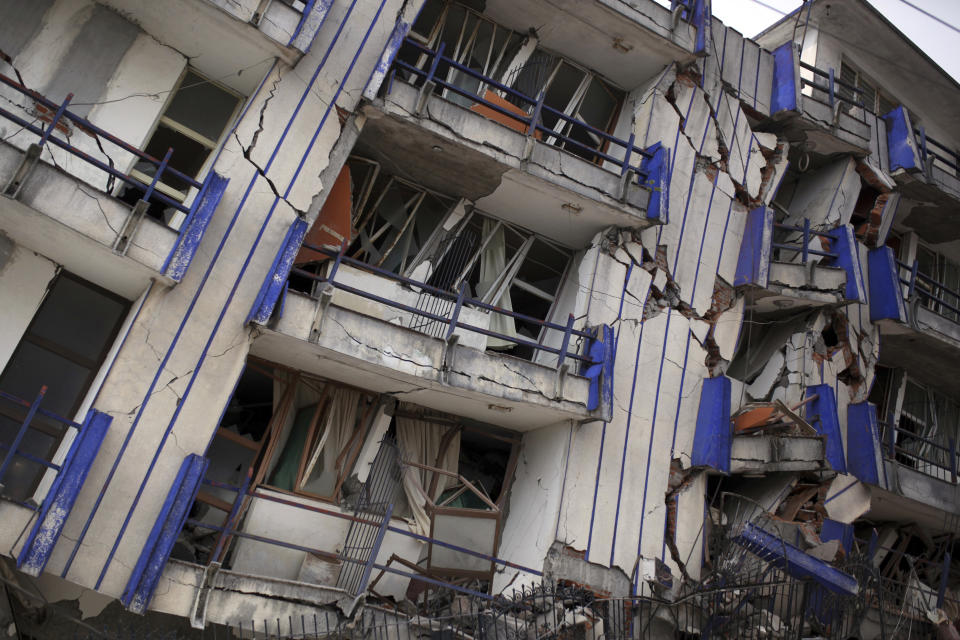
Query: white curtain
[419,441]
[321,473]
[493,262]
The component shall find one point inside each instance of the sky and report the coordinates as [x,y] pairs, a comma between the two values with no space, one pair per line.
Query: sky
[937,41]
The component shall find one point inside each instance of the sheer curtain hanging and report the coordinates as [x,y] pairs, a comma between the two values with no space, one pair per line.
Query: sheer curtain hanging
[493,262]
[321,473]
[419,441]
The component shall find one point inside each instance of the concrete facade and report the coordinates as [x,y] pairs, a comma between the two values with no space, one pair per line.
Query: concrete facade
[605,316]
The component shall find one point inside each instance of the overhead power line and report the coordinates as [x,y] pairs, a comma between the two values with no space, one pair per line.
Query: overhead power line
[931,16]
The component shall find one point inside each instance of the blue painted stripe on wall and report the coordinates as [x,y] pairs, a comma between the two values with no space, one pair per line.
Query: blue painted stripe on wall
[236,284]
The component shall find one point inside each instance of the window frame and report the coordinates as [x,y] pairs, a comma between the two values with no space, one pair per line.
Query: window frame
[208,143]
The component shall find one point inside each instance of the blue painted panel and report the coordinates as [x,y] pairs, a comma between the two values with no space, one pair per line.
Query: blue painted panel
[156,550]
[657,169]
[276,278]
[195,226]
[844,244]
[786,79]
[753,265]
[822,415]
[714,436]
[701,22]
[886,296]
[63,493]
[602,353]
[794,561]
[864,457]
[834,530]
[901,146]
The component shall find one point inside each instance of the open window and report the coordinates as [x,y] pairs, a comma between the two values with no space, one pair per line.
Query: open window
[318,439]
[63,348]
[402,227]
[193,123]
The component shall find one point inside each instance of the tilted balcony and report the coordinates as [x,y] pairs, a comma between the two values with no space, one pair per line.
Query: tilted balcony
[452,119]
[62,197]
[44,461]
[783,266]
[919,319]
[371,327]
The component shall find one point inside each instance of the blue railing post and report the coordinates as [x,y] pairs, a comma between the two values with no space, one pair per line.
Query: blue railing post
[892,436]
[535,116]
[456,311]
[337,261]
[229,525]
[913,279]
[55,121]
[434,64]
[832,89]
[20,433]
[627,154]
[156,176]
[953,460]
[566,342]
[806,239]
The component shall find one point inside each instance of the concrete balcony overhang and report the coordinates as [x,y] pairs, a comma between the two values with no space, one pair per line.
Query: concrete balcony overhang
[369,345]
[458,151]
[75,225]
[610,36]
[915,497]
[927,346]
[762,454]
[799,286]
[218,36]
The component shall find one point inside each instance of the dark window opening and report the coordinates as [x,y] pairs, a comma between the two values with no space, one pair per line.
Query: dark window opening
[192,124]
[62,348]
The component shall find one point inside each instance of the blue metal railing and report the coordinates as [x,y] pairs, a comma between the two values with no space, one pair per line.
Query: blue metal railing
[922,456]
[534,121]
[804,247]
[930,289]
[12,449]
[453,322]
[47,134]
[932,149]
[830,88]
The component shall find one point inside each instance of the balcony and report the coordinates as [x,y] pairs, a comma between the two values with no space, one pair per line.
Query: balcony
[784,266]
[814,105]
[324,493]
[44,461]
[449,120]
[64,209]
[919,319]
[371,327]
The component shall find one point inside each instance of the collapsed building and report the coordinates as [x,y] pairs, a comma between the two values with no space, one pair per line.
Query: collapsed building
[475,319]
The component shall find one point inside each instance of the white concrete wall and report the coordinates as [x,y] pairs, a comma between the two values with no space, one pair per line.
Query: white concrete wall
[174,374]
[24,278]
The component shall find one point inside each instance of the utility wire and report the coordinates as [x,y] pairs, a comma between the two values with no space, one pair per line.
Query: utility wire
[931,16]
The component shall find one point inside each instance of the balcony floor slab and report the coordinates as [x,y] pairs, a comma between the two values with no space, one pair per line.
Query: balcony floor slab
[378,355]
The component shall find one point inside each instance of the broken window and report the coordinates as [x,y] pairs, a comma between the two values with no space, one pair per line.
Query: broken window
[402,227]
[62,348]
[513,60]
[192,124]
[928,422]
